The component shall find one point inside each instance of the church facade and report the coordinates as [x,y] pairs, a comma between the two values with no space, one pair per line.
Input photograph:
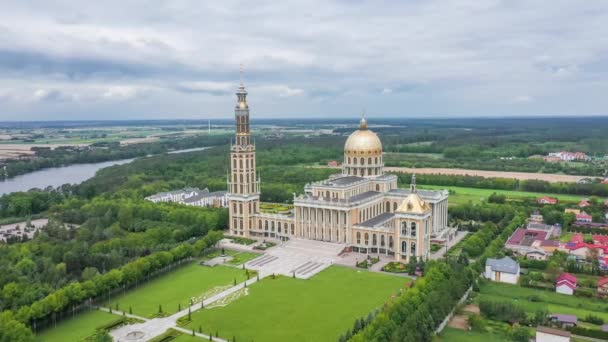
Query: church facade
[361,207]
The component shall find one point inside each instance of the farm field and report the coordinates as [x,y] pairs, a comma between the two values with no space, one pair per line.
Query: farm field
[464,195]
[457,335]
[78,328]
[549,177]
[176,288]
[287,309]
[551,301]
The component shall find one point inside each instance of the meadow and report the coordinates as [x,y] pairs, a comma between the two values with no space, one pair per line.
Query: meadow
[544,300]
[461,195]
[287,309]
[78,328]
[175,289]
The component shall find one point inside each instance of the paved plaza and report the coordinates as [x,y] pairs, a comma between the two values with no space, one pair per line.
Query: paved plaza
[305,258]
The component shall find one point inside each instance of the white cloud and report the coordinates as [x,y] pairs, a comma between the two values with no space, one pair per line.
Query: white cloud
[471,57]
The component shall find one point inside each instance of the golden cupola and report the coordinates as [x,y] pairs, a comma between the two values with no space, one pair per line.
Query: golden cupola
[363,153]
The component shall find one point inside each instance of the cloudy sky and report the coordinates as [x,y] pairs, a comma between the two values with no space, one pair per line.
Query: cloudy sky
[65,60]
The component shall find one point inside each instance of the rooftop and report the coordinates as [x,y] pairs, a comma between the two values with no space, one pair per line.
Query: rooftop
[505,264]
[525,237]
[377,221]
[564,318]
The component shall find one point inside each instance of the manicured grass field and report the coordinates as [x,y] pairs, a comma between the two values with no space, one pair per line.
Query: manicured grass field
[286,309]
[457,335]
[243,257]
[176,287]
[551,301]
[464,195]
[77,328]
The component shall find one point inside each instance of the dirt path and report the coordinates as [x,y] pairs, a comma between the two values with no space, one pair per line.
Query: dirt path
[549,177]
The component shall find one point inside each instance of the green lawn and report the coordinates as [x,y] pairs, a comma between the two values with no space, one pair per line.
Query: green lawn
[457,335]
[77,328]
[286,309]
[243,257]
[551,301]
[176,287]
[464,195]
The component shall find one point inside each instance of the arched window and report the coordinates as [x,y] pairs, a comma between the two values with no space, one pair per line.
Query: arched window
[349,160]
[377,187]
[382,242]
[279,227]
[376,160]
[413,249]
[355,171]
[362,161]
[234,207]
[234,164]
[366,239]
[387,206]
[395,206]
[241,208]
[362,172]
[358,238]
[369,161]
[241,178]
[355,161]
[272,226]
[260,224]
[374,240]
[327,194]
[403,247]
[241,163]
[403,228]
[265,225]
[390,242]
[413,229]
[292,230]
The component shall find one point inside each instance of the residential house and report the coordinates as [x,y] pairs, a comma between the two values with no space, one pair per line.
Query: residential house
[565,284]
[584,217]
[564,321]
[546,200]
[505,270]
[332,163]
[602,286]
[584,203]
[572,211]
[546,334]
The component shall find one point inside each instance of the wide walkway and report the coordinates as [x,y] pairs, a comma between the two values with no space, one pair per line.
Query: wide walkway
[304,258]
[151,328]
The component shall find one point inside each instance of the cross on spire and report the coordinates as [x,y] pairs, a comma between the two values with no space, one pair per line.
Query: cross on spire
[241,73]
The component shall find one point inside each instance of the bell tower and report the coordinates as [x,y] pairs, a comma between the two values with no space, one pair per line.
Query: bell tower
[243,182]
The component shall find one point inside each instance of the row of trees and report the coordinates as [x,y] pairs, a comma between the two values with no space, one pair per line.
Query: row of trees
[76,293]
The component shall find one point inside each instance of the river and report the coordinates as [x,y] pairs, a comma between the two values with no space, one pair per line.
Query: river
[57,176]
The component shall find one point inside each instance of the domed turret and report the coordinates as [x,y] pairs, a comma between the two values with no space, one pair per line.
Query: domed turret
[363,153]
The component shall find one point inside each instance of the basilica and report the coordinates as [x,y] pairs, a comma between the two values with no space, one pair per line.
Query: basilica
[361,207]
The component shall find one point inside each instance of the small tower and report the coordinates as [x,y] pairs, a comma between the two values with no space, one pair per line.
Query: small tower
[413,184]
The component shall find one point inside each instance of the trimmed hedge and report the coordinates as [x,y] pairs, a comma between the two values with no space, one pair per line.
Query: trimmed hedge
[602,335]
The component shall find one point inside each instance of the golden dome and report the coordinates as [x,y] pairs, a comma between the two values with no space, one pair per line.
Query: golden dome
[363,141]
[413,204]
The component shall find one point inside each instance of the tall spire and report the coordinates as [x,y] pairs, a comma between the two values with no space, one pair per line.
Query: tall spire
[413,183]
[363,122]
[241,74]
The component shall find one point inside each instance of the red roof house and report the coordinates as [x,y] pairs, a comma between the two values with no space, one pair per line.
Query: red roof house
[577,238]
[602,286]
[565,284]
[584,203]
[332,163]
[546,200]
[584,217]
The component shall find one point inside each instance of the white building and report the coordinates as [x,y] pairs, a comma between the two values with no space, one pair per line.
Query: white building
[505,270]
[192,196]
[544,334]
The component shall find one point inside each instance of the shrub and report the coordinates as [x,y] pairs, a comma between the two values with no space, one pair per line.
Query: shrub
[583,292]
[593,319]
[602,335]
[502,311]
